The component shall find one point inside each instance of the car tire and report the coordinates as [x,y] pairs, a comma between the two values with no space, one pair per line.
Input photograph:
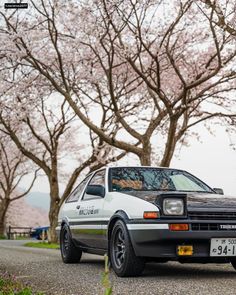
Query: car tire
[122,257]
[233,262]
[69,252]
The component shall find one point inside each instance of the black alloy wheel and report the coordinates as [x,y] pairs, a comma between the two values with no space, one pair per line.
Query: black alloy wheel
[65,243]
[119,248]
[123,259]
[69,252]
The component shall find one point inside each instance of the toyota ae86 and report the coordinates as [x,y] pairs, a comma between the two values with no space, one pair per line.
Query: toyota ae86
[141,214]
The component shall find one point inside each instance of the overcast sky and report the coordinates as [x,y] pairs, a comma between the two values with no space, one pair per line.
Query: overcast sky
[212,160]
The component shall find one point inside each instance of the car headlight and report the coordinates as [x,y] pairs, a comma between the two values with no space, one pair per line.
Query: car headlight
[173,207]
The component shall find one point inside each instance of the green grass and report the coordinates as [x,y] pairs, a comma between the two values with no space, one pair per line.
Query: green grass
[106,278]
[44,245]
[10,286]
[2,237]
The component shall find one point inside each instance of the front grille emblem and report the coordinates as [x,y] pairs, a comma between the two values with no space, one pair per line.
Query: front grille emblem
[228,226]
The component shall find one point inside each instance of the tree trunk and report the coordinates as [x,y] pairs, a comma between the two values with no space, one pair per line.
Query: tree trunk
[3,210]
[170,144]
[2,226]
[145,157]
[55,202]
[2,229]
[53,218]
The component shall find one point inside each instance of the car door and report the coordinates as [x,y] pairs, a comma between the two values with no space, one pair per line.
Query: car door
[89,232]
[71,206]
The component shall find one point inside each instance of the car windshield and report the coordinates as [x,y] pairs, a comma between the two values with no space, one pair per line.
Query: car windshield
[155,179]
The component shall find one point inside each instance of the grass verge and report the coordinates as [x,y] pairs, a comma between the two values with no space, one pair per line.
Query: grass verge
[106,279]
[10,286]
[44,245]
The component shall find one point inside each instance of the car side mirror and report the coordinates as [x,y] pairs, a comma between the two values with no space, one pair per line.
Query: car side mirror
[219,191]
[96,190]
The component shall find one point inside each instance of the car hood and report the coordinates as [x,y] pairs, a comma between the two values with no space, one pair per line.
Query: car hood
[203,200]
[194,200]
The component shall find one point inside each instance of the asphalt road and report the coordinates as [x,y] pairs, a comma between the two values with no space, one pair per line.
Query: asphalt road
[44,270]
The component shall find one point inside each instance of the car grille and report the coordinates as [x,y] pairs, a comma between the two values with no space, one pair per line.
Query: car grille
[208,226]
[212,215]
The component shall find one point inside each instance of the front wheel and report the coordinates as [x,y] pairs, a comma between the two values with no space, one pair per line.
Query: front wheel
[123,259]
[69,252]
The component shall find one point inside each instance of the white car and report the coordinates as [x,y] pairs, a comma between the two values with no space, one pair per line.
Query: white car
[140,214]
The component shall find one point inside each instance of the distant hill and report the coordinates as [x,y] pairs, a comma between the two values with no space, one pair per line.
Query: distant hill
[20,213]
[38,200]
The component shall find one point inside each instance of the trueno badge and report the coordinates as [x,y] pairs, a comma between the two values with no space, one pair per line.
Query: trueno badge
[228,226]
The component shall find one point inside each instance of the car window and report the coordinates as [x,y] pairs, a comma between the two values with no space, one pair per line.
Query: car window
[154,179]
[183,182]
[74,197]
[140,179]
[97,179]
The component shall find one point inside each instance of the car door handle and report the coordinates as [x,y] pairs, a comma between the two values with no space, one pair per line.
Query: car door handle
[77,207]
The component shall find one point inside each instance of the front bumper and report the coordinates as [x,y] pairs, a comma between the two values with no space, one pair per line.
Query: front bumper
[157,241]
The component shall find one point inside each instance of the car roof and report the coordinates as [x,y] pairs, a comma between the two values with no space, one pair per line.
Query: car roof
[136,166]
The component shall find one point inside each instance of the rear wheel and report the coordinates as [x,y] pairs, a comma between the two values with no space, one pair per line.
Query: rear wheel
[233,262]
[69,252]
[123,259]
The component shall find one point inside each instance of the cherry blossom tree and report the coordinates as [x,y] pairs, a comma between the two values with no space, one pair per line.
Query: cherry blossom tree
[184,62]
[14,166]
[224,14]
[47,132]
[157,68]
